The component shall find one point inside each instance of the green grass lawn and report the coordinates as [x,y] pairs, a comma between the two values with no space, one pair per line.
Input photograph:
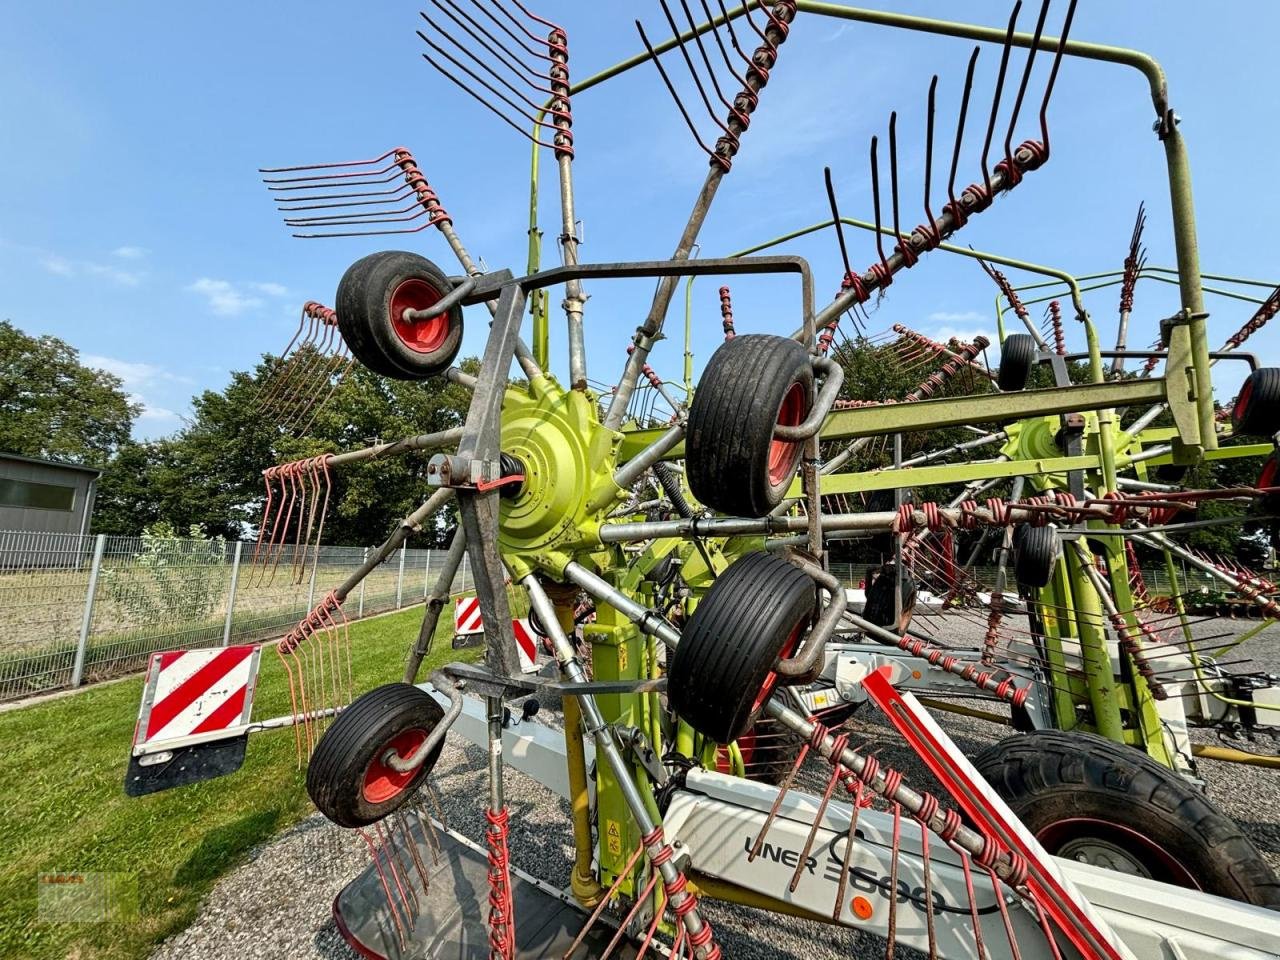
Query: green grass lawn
[63,762]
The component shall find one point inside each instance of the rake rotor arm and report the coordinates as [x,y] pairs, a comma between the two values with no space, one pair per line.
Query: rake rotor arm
[648,331]
[422,441]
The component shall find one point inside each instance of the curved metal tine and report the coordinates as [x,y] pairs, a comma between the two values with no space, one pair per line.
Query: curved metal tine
[345,362]
[507,30]
[289,401]
[489,42]
[706,62]
[964,113]
[1053,76]
[875,203]
[893,173]
[485,66]
[299,550]
[348,175]
[844,250]
[697,81]
[733,34]
[728,61]
[285,365]
[995,100]
[346,199]
[501,96]
[341,218]
[276,370]
[327,166]
[335,358]
[1022,86]
[932,227]
[393,172]
[290,371]
[672,90]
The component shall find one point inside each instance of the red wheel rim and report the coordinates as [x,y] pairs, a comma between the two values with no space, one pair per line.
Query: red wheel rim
[771,680]
[420,336]
[784,453]
[381,783]
[1160,864]
[1242,401]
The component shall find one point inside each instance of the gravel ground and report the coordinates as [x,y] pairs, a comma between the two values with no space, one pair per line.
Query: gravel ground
[277,906]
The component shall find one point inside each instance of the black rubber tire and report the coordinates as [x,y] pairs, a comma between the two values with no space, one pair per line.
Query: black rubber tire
[1053,779]
[1017,357]
[357,739]
[732,641]
[879,606]
[881,501]
[364,308]
[1170,472]
[729,440]
[1257,407]
[1035,552]
[1269,476]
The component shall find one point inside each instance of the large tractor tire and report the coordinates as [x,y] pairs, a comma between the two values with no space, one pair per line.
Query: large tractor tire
[1086,798]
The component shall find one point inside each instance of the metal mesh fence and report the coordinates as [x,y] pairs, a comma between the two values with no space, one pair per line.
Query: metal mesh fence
[83,609]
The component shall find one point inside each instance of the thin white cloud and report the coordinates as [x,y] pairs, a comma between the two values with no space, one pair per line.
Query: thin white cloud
[225,298]
[154,413]
[968,316]
[230,299]
[130,253]
[271,289]
[63,267]
[133,373]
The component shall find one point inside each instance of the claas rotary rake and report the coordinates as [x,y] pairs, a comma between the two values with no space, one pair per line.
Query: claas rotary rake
[698,522]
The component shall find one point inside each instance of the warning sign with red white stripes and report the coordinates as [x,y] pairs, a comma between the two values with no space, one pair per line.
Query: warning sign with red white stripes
[466,616]
[196,695]
[467,621]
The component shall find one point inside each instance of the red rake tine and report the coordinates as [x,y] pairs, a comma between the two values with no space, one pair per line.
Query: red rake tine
[386,888]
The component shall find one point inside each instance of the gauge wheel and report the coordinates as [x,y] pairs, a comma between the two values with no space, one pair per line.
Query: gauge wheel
[349,779]
[1017,357]
[722,673]
[374,295]
[752,384]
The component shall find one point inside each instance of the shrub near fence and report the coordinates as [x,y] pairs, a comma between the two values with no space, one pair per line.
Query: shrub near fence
[83,609]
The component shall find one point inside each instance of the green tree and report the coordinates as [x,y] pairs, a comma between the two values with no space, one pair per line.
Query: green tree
[209,474]
[53,406]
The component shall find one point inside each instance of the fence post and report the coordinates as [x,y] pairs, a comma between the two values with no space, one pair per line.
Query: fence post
[426,577]
[311,589]
[363,558]
[231,594]
[400,576]
[77,671]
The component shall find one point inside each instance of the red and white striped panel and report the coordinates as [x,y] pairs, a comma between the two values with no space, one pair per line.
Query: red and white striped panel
[466,616]
[526,645]
[197,693]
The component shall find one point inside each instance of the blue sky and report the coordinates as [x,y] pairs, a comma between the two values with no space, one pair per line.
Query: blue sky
[133,223]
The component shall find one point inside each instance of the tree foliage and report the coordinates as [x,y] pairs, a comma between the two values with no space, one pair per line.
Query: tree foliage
[53,406]
[210,473]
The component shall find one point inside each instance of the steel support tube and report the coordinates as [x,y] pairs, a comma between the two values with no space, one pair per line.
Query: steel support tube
[423,441]
[607,747]
[634,469]
[649,622]
[435,602]
[410,524]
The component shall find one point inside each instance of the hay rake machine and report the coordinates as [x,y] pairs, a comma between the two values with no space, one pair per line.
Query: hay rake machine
[698,522]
